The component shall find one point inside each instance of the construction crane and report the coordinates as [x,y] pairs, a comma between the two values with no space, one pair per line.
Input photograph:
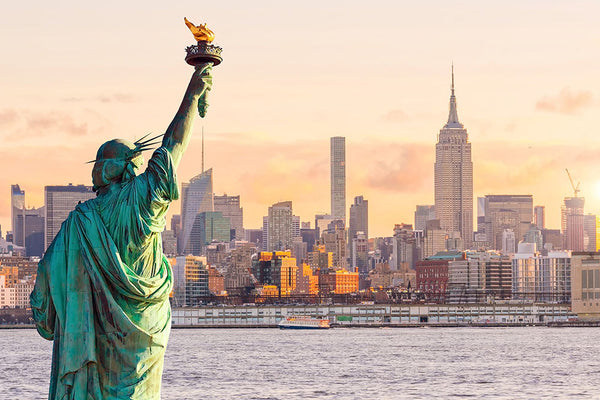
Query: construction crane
[575,188]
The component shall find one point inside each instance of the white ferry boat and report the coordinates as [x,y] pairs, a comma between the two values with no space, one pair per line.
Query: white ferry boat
[304,323]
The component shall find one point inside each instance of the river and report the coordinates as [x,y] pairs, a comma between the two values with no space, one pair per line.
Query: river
[402,363]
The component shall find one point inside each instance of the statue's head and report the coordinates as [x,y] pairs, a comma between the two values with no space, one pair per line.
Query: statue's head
[116,161]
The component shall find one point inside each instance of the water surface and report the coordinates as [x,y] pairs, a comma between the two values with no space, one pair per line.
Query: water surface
[413,363]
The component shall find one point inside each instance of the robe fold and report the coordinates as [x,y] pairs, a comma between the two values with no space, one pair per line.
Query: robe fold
[102,291]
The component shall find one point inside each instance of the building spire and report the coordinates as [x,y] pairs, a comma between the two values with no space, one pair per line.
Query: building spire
[452,78]
[202,148]
[453,114]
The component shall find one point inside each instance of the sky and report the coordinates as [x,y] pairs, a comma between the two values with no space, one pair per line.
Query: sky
[76,74]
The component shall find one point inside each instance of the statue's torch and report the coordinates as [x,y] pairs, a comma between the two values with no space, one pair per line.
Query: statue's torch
[203,52]
[203,56]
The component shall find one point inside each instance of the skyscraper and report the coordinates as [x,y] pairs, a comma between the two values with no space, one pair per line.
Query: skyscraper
[28,224]
[404,247]
[321,223]
[34,225]
[539,216]
[17,201]
[454,176]
[196,197]
[423,213]
[60,201]
[280,227]
[338,178]
[211,225]
[481,215]
[504,211]
[334,239]
[589,232]
[230,207]
[359,223]
[360,253]
[572,221]
[359,218]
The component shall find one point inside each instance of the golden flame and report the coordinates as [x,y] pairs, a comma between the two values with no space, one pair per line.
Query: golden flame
[201,32]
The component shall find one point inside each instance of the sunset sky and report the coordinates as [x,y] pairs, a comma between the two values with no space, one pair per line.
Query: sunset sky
[74,75]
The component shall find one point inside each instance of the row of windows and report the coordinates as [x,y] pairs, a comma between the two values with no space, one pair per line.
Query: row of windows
[590,278]
[590,295]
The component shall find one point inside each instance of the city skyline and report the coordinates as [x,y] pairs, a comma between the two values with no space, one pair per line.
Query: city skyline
[526,86]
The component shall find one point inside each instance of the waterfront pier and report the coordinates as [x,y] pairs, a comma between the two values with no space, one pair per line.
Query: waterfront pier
[375,315]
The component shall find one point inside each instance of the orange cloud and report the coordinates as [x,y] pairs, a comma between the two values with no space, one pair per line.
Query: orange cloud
[566,102]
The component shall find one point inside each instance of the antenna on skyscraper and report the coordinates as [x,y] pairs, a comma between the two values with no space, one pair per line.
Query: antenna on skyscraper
[202,148]
[453,78]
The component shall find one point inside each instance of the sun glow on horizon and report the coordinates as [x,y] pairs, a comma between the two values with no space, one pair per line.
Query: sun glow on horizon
[596,190]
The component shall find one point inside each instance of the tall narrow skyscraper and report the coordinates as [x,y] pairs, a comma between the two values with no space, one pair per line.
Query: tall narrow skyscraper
[539,218]
[17,200]
[338,178]
[358,226]
[454,177]
[196,197]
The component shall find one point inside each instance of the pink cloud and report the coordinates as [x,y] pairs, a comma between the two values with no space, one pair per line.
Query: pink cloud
[395,116]
[117,98]
[566,102]
[105,98]
[399,167]
[42,122]
[8,117]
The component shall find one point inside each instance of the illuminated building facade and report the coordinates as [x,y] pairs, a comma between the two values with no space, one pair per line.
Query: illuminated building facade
[338,178]
[453,174]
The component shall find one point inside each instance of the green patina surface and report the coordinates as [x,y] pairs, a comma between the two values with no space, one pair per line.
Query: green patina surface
[102,289]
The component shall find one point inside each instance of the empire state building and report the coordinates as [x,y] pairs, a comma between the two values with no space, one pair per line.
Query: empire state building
[454,177]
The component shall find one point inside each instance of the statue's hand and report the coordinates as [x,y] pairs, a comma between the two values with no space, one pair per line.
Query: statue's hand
[202,82]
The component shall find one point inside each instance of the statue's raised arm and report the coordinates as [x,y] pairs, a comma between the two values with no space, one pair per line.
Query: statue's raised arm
[178,133]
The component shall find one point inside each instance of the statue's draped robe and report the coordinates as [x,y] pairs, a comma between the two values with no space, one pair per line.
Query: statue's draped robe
[102,291]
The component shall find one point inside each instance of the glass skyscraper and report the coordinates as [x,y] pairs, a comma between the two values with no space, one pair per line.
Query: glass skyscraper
[196,197]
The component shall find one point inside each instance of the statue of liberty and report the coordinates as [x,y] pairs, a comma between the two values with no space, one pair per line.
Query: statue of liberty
[102,287]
